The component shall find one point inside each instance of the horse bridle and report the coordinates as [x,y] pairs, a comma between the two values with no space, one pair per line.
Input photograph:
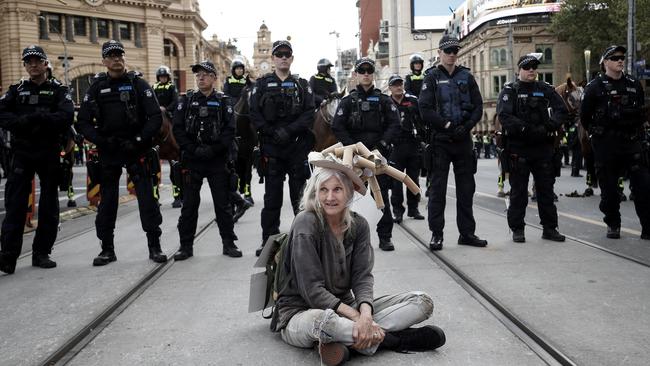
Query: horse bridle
[327,120]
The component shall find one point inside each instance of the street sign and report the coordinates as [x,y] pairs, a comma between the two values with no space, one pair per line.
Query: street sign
[419,36]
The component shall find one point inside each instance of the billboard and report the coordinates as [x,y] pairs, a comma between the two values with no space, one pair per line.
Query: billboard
[482,11]
[429,15]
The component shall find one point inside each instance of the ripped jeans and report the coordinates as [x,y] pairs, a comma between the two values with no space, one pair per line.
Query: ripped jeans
[391,312]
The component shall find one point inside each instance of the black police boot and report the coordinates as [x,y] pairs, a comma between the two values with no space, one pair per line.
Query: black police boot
[42,260]
[259,250]
[436,242]
[107,254]
[183,253]
[240,210]
[518,235]
[386,245]
[250,200]
[645,235]
[155,253]
[552,234]
[426,338]
[415,214]
[178,203]
[614,232]
[230,249]
[589,192]
[472,240]
[72,203]
[7,264]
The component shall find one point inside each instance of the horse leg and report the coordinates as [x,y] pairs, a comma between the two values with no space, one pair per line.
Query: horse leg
[244,169]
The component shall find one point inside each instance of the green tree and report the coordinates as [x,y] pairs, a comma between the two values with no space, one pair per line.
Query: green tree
[595,25]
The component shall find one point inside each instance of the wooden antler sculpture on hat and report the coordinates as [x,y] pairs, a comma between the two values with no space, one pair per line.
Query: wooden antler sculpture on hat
[361,165]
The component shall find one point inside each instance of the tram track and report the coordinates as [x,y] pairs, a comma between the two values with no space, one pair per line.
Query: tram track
[66,352]
[550,353]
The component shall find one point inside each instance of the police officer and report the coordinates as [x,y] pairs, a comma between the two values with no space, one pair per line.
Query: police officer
[204,128]
[451,105]
[282,110]
[613,113]
[37,112]
[322,83]
[406,146]
[529,135]
[120,115]
[165,90]
[371,117]
[413,84]
[236,82]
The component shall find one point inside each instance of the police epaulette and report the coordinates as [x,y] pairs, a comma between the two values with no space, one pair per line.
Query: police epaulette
[509,85]
[407,95]
[100,76]
[630,78]
[134,75]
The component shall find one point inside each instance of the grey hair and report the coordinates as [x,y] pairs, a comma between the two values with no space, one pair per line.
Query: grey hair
[310,200]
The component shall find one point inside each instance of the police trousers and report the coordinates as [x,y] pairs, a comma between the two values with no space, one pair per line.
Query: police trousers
[218,180]
[17,190]
[276,171]
[392,312]
[542,170]
[144,182]
[405,157]
[612,159]
[460,154]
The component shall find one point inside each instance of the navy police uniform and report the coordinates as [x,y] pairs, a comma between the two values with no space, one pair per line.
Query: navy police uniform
[37,116]
[613,113]
[451,105]
[204,129]
[529,133]
[121,115]
[370,117]
[282,112]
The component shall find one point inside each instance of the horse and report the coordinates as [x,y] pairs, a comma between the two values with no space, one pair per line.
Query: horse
[247,141]
[169,150]
[322,128]
[572,96]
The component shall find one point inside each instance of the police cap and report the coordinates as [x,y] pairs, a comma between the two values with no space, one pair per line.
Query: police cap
[393,79]
[206,65]
[111,47]
[281,43]
[448,41]
[611,50]
[364,61]
[34,51]
[529,59]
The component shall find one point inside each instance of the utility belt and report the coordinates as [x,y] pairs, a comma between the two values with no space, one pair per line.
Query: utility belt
[600,130]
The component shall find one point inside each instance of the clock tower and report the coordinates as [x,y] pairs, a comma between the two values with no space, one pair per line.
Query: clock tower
[262,51]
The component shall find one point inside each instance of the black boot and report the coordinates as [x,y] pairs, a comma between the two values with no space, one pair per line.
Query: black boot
[386,245]
[259,250]
[472,240]
[436,242]
[155,252]
[230,249]
[72,203]
[240,210]
[552,234]
[415,214]
[614,232]
[183,253]
[178,203]
[42,260]
[426,338]
[518,235]
[107,254]
[7,264]
[398,217]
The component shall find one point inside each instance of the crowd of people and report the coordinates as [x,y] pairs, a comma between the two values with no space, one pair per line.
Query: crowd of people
[423,126]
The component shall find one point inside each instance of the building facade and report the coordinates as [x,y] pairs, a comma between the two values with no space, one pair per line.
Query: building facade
[154,33]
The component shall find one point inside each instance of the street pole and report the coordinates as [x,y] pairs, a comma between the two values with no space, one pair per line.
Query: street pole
[511,51]
[587,60]
[631,38]
[339,65]
[65,59]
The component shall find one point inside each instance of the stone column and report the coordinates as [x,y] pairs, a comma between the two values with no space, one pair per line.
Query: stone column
[116,30]
[69,32]
[93,30]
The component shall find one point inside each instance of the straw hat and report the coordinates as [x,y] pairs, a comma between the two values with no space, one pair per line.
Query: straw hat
[330,161]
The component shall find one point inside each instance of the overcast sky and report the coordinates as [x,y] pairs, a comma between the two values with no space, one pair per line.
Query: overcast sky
[306,21]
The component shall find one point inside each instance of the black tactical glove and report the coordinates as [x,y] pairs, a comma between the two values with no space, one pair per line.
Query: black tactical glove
[459,133]
[204,152]
[281,136]
[385,148]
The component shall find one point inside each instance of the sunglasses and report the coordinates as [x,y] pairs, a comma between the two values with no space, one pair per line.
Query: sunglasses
[281,54]
[365,70]
[528,67]
[616,58]
[451,50]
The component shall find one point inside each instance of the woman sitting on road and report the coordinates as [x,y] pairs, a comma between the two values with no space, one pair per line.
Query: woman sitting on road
[328,297]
